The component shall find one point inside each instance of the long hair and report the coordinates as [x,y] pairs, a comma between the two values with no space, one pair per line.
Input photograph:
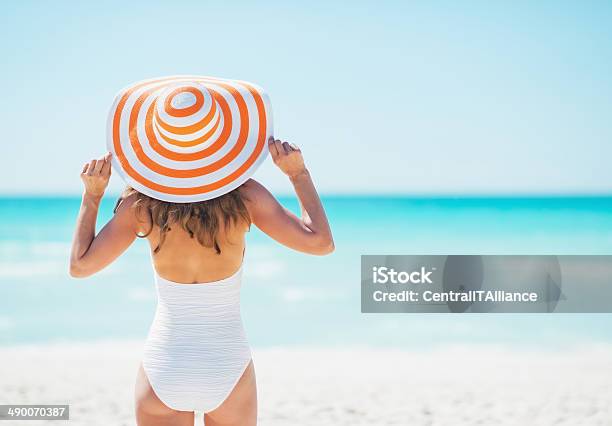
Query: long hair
[203,220]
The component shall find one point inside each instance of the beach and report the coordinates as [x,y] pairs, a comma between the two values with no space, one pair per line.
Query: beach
[350,386]
[319,360]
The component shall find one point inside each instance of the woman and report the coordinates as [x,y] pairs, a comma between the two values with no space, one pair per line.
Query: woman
[196,356]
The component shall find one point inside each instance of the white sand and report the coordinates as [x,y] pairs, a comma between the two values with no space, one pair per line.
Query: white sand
[455,386]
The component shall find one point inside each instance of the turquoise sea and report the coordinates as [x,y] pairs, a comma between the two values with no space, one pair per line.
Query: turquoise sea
[294,299]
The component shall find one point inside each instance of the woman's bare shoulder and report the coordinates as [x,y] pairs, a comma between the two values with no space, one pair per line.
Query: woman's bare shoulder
[256,195]
[127,212]
[253,191]
[126,203]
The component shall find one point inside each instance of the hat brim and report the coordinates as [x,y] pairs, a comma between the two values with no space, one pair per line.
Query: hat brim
[184,170]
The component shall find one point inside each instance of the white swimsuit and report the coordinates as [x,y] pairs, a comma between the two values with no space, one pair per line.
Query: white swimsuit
[196,350]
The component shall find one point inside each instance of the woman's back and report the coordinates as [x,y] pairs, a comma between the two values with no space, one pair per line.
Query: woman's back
[182,259]
[194,242]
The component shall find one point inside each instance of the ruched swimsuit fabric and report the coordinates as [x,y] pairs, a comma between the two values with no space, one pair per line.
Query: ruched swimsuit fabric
[197,349]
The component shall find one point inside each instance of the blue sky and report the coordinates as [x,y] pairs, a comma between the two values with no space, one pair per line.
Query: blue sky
[383,97]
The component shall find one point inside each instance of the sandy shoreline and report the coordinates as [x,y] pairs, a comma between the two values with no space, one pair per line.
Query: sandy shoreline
[458,386]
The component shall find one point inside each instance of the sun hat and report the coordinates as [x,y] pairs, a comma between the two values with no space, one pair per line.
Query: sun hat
[188,138]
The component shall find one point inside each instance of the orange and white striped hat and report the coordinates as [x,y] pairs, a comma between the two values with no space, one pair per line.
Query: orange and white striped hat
[189,138]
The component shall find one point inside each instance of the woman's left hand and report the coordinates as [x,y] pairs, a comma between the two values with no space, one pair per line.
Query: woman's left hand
[287,156]
[96,174]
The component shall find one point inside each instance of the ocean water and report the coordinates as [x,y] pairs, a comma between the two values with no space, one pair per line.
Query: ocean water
[294,299]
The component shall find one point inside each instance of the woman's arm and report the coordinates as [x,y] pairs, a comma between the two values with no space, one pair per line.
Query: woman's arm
[310,233]
[90,253]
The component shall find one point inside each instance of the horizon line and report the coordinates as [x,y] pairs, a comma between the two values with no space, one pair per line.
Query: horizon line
[350,194]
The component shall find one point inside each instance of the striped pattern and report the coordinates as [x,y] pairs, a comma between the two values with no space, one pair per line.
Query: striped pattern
[196,350]
[188,138]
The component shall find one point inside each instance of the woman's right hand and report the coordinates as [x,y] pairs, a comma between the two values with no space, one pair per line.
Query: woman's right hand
[96,174]
[287,157]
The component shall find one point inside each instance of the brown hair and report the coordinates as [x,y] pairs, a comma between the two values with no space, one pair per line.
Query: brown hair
[202,219]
